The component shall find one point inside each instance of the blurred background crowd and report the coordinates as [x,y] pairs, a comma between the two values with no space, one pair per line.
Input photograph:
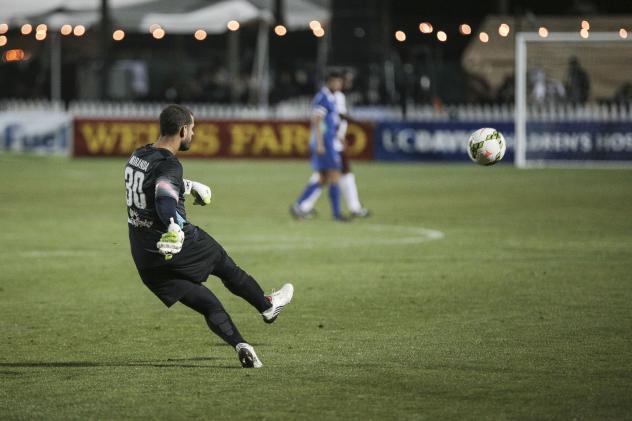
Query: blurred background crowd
[267,52]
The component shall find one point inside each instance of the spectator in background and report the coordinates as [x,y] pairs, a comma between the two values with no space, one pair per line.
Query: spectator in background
[477,88]
[544,89]
[577,82]
[538,82]
[506,92]
[624,93]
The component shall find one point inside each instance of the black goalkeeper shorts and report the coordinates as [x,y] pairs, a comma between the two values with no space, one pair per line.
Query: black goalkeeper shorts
[171,279]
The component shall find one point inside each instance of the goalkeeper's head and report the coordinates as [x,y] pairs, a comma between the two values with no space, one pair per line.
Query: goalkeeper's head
[177,121]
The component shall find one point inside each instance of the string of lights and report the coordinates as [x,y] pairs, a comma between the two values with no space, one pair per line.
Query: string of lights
[40,32]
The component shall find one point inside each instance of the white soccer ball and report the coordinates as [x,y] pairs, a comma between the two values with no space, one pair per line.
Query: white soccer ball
[486,146]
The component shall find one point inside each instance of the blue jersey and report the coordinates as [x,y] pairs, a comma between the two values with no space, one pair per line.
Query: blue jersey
[324,104]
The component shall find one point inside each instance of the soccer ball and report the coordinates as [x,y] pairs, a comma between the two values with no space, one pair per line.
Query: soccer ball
[486,146]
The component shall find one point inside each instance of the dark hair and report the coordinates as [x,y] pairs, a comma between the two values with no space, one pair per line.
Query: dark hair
[172,118]
[334,74]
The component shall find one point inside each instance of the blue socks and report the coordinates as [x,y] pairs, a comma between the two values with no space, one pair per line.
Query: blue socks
[334,197]
[308,192]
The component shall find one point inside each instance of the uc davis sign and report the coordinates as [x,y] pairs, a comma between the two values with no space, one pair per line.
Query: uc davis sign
[416,141]
[589,141]
[262,139]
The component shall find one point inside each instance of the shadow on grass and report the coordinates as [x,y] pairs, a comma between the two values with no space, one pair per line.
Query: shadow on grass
[168,363]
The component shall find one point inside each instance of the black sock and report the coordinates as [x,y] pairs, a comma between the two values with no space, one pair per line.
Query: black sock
[202,300]
[241,284]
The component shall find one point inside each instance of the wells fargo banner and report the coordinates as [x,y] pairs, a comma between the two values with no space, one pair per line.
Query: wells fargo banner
[271,139]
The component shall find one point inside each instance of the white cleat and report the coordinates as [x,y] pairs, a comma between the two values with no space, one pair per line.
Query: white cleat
[362,213]
[278,299]
[247,356]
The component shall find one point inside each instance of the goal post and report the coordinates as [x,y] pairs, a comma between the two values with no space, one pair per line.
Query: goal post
[558,131]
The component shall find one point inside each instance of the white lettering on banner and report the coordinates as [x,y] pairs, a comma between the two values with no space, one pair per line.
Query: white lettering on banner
[394,145]
[449,141]
[559,142]
[423,141]
[614,142]
[411,141]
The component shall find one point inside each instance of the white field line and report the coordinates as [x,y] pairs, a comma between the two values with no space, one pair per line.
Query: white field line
[407,235]
[404,235]
[51,253]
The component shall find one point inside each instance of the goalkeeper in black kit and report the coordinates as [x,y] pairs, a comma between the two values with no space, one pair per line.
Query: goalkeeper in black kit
[173,256]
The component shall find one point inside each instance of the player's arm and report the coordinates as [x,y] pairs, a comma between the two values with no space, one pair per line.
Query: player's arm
[348,118]
[165,203]
[318,130]
[320,111]
[166,207]
[342,133]
[170,242]
[343,112]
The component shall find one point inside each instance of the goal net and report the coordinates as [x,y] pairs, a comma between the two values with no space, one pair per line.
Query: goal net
[573,99]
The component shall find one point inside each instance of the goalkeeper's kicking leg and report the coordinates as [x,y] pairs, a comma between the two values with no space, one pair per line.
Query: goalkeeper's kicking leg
[202,300]
[243,285]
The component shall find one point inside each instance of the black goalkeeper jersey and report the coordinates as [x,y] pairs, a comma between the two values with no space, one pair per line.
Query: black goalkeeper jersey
[151,171]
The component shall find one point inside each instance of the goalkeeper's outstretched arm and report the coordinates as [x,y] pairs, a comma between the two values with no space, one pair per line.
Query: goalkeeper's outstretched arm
[166,201]
[166,209]
[170,242]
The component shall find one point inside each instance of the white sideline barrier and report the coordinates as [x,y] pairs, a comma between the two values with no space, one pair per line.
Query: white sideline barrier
[300,108]
[39,131]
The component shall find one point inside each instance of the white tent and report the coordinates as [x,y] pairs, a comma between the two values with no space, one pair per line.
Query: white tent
[179,17]
[174,16]
[24,10]
[211,18]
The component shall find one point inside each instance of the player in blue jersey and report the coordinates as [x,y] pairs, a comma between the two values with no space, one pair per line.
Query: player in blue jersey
[326,159]
[348,187]
[173,256]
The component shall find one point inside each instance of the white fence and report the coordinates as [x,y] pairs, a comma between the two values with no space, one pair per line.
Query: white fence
[301,109]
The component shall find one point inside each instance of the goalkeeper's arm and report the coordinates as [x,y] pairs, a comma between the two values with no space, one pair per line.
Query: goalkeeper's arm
[166,209]
[165,203]
[166,199]
[171,242]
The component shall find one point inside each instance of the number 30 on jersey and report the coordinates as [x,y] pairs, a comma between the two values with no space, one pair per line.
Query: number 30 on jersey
[134,186]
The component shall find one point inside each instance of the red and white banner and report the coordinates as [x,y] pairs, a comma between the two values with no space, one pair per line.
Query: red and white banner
[258,139]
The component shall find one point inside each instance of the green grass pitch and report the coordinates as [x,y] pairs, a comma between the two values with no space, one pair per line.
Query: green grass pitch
[471,293]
